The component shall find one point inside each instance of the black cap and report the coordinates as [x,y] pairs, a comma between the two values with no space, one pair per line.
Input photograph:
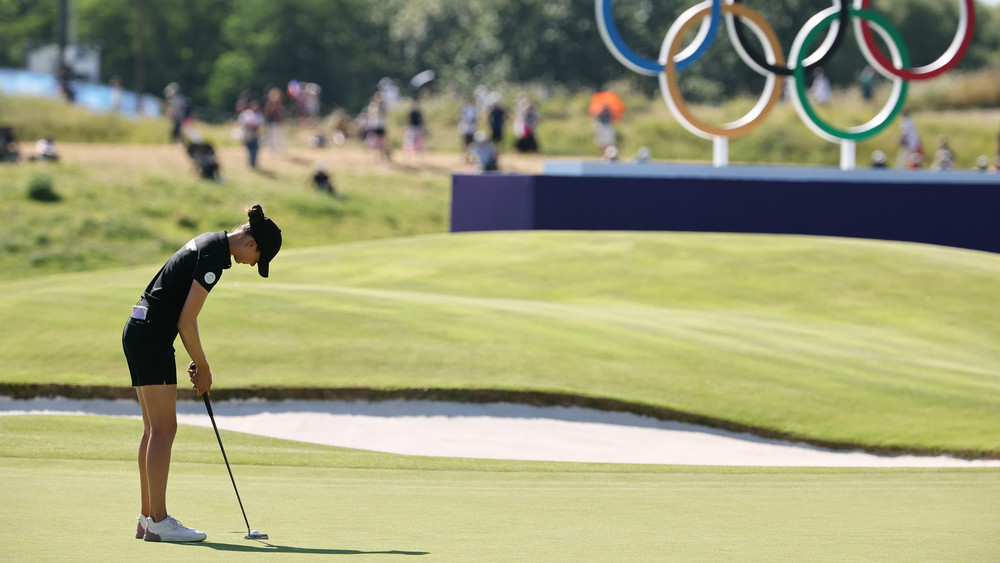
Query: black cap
[267,235]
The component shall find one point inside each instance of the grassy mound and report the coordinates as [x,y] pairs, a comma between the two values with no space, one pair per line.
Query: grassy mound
[883,345]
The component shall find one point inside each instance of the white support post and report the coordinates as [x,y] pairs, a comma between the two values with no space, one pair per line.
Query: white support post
[720,151]
[848,155]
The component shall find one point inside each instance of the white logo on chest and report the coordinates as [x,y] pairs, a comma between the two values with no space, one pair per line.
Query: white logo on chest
[210,278]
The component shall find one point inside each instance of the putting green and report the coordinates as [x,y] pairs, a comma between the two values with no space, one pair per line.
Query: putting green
[69,489]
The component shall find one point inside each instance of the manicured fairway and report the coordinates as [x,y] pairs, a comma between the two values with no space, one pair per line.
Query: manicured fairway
[69,493]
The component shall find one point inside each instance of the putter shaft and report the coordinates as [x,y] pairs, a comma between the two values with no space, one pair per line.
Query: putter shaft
[211,415]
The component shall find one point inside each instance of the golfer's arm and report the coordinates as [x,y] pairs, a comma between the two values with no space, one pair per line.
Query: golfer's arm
[187,325]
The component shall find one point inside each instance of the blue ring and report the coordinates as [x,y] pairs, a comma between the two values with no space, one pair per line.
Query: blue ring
[618,44]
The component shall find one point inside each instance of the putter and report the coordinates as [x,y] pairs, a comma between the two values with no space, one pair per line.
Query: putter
[251,534]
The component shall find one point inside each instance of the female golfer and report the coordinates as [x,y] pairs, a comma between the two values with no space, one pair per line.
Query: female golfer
[170,306]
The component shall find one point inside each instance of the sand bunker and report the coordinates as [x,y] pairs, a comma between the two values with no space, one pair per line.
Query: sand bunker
[496,431]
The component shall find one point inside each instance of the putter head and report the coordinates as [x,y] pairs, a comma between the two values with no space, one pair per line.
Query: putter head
[255,535]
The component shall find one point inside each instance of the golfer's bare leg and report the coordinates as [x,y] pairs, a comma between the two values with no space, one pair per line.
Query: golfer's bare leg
[143,446]
[160,409]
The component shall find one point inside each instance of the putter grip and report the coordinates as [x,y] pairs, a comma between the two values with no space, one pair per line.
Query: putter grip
[208,406]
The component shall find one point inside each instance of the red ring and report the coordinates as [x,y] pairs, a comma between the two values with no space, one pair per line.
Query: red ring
[927,71]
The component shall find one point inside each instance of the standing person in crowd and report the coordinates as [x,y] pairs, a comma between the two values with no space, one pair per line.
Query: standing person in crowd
[274,117]
[604,131]
[820,92]
[467,118]
[377,123]
[911,150]
[246,94]
[250,121]
[116,94]
[413,139]
[944,157]
[525,120]
[177,110]
[496,117]
[867,83]
[9,148]
[169,307]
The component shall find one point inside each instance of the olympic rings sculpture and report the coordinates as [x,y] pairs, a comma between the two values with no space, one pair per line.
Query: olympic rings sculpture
[774,67]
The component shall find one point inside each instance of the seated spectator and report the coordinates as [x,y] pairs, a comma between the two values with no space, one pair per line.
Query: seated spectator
[879,159]
[203,156]
[982,163]
[321,180]
[610,154]
[45,150]
[643,155]
[483,152]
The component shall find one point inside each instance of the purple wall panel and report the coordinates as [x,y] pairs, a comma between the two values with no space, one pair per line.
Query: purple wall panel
[961,214]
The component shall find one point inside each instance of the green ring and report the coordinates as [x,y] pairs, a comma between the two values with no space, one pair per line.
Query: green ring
[800,87]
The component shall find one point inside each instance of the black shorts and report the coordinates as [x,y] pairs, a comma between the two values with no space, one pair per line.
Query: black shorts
[150,354]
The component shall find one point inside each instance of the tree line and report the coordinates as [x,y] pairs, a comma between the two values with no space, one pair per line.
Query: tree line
[216,48]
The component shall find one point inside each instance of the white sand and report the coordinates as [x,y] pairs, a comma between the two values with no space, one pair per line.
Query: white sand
[495,431]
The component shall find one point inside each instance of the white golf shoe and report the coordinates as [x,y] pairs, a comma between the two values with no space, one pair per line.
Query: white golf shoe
[170,530]
[140,528]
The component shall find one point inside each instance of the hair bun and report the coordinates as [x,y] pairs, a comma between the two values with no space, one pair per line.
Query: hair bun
[256,212]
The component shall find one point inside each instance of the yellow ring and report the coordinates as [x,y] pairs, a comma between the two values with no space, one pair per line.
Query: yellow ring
[676,103]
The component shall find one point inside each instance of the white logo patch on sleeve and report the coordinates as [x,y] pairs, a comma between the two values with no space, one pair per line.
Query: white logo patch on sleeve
[210,278]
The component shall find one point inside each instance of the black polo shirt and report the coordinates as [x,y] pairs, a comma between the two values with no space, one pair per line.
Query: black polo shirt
[202,260]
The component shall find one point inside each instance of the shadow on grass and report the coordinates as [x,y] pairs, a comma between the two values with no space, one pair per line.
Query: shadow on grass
[265,547]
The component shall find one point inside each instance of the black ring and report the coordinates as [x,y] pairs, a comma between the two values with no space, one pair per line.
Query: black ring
[740,27]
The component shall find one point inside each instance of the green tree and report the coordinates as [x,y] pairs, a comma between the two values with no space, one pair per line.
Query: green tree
[155,43]
[22,22]
[335,43]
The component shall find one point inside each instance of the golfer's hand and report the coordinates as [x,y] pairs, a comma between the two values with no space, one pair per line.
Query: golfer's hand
[200,379]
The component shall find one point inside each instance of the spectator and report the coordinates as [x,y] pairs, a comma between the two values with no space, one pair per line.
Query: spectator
[250,121]
[944,158]
[321,180]
[177,110]
[911,150]
[8,145]
[205,161]
[867,83]
[525,120]
[643,155]
[244,99]
[116,94]
[982,163]
[340,128]
[879,159]
[497,117]
[467,123]
[274,117]
[604,131]
[610,155]
[484,152]
[311,103]
[820,92]
[377,122]
[389,92]
[413,139]
[45,150]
